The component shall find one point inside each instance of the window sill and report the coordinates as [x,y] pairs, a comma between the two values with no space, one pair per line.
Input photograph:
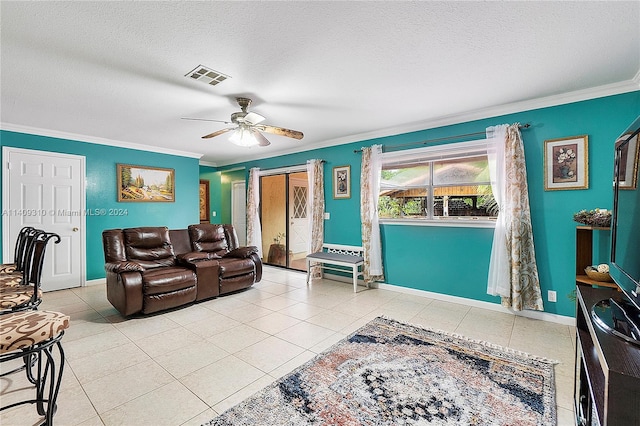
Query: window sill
[452,223]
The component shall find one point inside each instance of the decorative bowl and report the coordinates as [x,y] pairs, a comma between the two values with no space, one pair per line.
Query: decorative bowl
[596,217]
[597,276]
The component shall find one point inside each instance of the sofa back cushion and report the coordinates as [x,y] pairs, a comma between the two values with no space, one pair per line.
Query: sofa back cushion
[210,238]
[180,241]
[149,246]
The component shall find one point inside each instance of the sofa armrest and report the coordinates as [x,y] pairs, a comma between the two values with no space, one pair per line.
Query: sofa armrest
[242,252]
[207,276]
[119,267]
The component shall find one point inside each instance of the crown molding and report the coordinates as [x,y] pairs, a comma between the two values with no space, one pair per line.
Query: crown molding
[95,140]
[494,111]
[208,163]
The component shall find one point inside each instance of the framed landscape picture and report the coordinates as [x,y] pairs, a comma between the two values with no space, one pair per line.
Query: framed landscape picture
[342,182]
[566,164]
[145,184]
[629,164]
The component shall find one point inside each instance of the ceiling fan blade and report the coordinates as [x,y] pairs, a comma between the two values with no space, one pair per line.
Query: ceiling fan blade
[253,118]
[218,133]
[205,119]
[281,131]
[262,141]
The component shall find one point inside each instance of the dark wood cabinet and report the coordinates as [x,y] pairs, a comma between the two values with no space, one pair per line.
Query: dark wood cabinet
[607,383]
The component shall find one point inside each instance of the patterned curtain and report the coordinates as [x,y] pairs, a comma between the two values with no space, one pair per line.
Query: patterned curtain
[513,273]
[315,209]
[254,230]
[370,187]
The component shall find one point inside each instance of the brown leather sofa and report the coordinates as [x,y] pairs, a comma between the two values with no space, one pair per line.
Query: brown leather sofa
[150,269]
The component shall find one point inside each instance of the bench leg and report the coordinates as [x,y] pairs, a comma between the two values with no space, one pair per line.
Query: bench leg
[308,270]
[355,278]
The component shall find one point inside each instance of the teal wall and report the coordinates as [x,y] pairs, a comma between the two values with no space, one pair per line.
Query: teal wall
[220,191]
[446,260]
[101,191]
[455,261]
[210,174]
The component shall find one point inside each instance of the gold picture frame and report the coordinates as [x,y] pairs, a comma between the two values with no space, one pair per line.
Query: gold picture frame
[342,182]
[145,184]
[204,201]
[566,163]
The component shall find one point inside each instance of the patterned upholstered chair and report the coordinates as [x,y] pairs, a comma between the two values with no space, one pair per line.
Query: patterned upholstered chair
[32,336]
[24,292]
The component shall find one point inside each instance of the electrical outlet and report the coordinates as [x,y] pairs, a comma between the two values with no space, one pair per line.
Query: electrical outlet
[551,296]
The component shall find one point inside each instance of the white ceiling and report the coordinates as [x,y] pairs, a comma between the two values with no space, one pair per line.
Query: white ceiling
[114,72]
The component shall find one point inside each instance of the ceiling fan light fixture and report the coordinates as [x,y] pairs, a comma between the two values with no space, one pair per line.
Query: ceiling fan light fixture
[243,137]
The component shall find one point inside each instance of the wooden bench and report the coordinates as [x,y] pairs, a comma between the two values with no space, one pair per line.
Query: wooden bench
[338,255]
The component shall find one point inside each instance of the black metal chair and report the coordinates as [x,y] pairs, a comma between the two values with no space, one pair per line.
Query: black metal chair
[16,268]
[26,293]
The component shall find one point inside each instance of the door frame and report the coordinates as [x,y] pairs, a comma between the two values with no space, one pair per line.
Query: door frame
[301,168]
[8,246]
[233,197]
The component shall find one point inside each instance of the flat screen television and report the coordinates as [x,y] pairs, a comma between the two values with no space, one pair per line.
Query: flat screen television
[621,315]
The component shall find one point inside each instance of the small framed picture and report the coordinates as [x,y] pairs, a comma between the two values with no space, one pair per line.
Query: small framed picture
[566,163]
[342,182]
[204,201]
[628,163]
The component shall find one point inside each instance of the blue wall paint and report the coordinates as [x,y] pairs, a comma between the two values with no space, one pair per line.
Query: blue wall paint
[455,261]
[101,192]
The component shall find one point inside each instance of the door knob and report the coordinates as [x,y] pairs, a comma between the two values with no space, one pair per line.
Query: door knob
[75,229]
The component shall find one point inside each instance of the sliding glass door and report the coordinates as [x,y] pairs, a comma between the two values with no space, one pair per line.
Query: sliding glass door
[283,215]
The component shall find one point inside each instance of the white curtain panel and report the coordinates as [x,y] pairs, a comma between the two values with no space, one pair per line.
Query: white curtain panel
[513,272]
[370,187]
[499,276]
[315,209]
[254,229]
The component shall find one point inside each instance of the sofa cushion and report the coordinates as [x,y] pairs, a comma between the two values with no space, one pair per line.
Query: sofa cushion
[149,246]
[233,267]
[163,280]
[209,237]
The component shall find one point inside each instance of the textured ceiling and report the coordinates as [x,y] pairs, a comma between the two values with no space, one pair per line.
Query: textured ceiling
[113,72]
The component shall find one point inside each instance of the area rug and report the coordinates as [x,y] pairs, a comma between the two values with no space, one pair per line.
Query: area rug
[391,373]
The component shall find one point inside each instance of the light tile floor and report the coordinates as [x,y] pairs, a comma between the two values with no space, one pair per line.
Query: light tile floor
[185,366]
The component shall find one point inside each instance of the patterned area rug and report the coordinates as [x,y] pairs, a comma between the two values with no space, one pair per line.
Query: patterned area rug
[390,373]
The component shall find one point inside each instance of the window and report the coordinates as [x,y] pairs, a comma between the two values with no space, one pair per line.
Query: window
[445,182]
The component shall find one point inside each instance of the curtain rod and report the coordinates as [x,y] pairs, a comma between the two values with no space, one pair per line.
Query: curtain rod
[285,169]
[522,126]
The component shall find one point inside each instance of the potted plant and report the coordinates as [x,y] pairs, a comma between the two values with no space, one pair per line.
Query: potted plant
[278,251]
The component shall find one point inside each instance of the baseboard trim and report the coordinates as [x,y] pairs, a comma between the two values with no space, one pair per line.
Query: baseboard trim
[544,316]
[98,281]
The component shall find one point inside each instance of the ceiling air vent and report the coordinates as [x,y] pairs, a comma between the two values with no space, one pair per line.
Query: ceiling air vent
[206,75]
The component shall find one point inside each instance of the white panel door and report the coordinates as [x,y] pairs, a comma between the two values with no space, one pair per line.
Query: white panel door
[46,190]
[298,222]
[239,210]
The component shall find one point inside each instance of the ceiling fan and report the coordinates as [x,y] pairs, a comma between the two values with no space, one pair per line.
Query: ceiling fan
[247,131]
